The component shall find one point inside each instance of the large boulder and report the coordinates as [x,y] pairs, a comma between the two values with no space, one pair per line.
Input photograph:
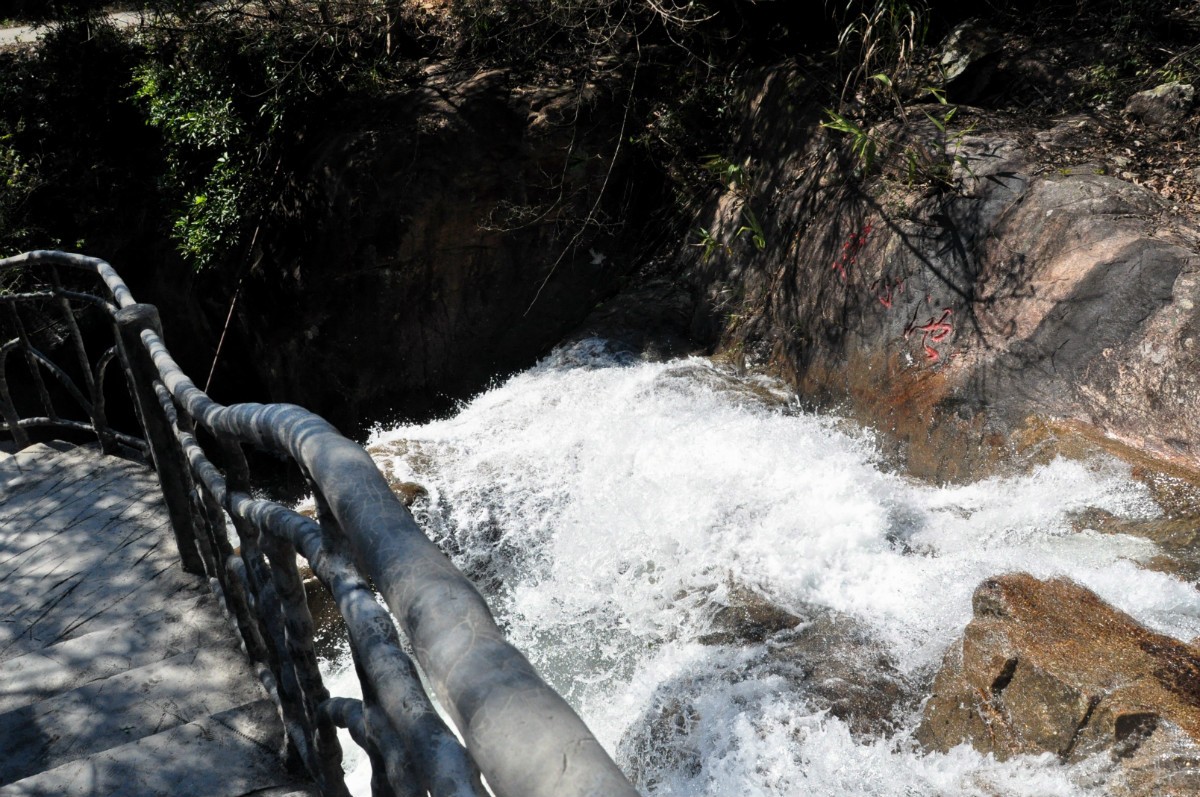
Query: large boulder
[1046,666]
[1018,280]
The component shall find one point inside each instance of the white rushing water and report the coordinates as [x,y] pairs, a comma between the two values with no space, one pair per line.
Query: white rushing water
[609,507]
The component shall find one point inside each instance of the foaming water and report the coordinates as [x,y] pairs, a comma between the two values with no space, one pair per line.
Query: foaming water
[609,507]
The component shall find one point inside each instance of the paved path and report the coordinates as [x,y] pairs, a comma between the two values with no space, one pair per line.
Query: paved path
[28,34]
[119,675]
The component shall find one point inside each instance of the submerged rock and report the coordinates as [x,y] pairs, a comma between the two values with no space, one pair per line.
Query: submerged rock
[409,492]
[824,659]
[747,617]
[826,655]
[1046,666]
[662,742]
[848,672]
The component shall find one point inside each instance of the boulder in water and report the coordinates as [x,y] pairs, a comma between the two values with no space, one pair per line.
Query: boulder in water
[826,655]
[746,617]
[848,672]
[409,492]
[1047,666]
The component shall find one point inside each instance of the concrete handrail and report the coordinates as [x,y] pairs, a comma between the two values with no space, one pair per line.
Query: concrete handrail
[525,738]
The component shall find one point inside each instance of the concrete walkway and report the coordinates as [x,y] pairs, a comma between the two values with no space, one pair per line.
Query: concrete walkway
[118,672]
[22,35]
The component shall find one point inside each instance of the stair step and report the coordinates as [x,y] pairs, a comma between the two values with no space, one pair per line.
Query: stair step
[229,754]
[67,665]
[37,456]
[121,708]
[84,544]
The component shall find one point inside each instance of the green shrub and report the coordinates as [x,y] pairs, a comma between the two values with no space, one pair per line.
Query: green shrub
[77,162]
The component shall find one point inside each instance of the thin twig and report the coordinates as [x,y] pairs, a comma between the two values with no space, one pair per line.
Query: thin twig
[599,197]
[229,316]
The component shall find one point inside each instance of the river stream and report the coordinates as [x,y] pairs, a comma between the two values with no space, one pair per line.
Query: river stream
[611,510]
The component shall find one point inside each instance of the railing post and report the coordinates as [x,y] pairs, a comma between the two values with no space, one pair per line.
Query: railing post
[11,419]
[99,421]
[168,457]
[31,361]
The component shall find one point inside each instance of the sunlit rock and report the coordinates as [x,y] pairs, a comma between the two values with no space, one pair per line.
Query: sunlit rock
[1046,666]
[1164,107]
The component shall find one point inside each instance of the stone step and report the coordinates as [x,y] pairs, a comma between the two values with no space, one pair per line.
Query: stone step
[229,754]
[121,708]
[67,665]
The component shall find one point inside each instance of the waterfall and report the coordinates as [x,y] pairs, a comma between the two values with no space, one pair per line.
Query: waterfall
[613,511]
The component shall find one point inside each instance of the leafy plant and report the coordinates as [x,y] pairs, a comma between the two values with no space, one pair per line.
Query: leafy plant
[753,228]
[928,161]
[75,153]
[230,97]
[864,145]
[933,162]
[192,104]
[708,244]
[18,180]
[725,170]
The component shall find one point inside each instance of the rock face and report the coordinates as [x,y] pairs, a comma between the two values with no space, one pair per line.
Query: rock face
[1027,282]
[1046,666]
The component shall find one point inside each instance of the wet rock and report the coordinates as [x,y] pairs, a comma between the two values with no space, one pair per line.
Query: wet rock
[1161,760]
[823,658]
[662,741]
[747,618]
[1162,108]
[826,655]
[1046,666]
[1177,537]
[848,672]
[409,492]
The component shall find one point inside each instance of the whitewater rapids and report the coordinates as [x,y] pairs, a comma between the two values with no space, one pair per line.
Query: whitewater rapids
[606,506]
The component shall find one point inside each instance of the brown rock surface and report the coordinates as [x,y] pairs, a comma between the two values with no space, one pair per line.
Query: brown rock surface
[1034,281]
[1046,666]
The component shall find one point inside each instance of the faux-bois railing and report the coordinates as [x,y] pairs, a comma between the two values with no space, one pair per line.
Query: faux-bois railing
[518,731]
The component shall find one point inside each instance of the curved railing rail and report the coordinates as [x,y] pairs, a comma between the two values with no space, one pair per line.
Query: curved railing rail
[518,731]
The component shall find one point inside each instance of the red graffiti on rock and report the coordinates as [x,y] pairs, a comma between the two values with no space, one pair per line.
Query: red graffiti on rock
[850,250]
[886,291]
[934,331]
